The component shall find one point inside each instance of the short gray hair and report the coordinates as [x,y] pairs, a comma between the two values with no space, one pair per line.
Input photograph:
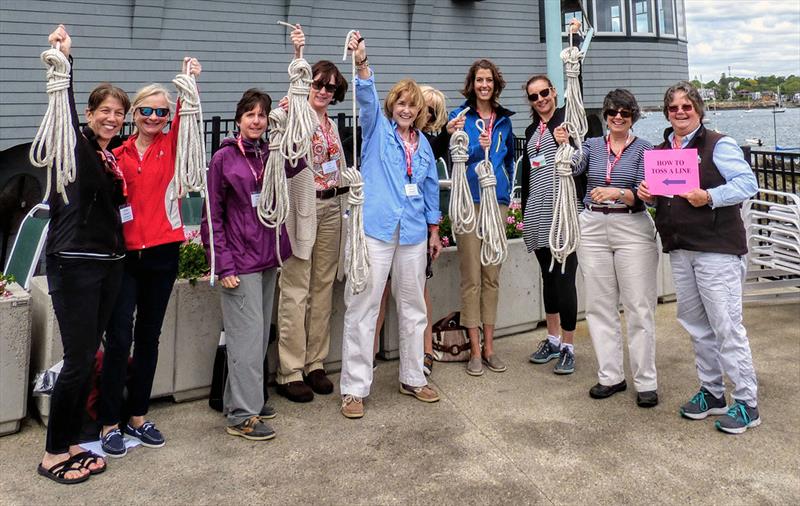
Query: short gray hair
[691,93]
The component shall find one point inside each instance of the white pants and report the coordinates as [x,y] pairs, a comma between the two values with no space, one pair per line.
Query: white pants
[407,265]
[619,260]
[709,291]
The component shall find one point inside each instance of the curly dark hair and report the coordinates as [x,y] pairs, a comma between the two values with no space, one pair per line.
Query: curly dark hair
[250,99]
[469,82]
[622,99]
[325,69]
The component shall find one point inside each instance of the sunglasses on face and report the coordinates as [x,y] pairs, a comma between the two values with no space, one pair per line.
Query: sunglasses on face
[533,97]
[161,112]
[685,108]
[318,85]
[611,113]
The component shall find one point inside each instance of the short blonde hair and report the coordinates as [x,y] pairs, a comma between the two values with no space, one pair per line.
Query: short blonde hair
[434,99]
[145,93]
[410,87]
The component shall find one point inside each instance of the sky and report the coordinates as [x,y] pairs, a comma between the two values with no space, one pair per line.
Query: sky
[753,37]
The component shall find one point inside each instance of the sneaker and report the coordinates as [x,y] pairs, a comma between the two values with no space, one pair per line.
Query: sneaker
[602,391]
[113,444]
[494,364]
[566,362]
[475,366]
[352,406]
[702,405]
[427,364]
[267,413]
[147,434]
[739,418]
[296,391]
[319,382]
[547,351]
[423,393]
[252,429]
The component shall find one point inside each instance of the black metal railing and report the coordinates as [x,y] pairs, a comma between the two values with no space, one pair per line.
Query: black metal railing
[778,171]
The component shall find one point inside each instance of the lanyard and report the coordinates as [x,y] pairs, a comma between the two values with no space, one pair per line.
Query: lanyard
[256,175]
[675,143]
[542,128]
[490,126]
[609,164]
[409,147]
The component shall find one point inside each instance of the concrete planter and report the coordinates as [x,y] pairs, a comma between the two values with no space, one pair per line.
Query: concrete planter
[15,346]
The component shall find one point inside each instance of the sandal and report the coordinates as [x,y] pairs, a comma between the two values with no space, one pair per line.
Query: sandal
[58,471]
[87,458]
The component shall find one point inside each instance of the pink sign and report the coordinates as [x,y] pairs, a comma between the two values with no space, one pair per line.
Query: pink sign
[671,171]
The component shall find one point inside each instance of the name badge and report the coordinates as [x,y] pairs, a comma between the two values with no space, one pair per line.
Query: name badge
[126,213]
[537,161]
[254,199]
[412,190]
[329,167]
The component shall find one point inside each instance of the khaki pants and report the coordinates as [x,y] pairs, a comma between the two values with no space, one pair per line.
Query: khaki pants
[304,306]
[479,284]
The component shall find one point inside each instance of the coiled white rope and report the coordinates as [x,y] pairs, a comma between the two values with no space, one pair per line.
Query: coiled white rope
[302,122]
[491,228]
[565,230]
[190,151]
[54,144]
[461,209]
[273,203]
[357,255]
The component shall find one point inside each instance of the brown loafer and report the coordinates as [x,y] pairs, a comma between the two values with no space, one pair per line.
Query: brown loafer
[319,382]
[424,393]
[296,391]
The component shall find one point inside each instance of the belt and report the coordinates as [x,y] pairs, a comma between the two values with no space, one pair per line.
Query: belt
[613,210]
[332,192]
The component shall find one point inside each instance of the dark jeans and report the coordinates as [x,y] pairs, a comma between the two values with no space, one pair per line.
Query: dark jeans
[560,295]
[84,292]
[146,288]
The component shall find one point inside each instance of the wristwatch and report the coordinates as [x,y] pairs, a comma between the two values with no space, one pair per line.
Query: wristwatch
[621,194]
[709,200]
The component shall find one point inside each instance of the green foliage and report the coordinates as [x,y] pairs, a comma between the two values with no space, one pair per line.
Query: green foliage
[5,280]
[514,224]
[192,262]
[446,231]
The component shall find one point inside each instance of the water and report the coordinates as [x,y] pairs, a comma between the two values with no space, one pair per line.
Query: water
[736,123]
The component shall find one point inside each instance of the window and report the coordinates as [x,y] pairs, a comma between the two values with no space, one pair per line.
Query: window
[666,18]
[609,16]
[568,15]
[680,19]
[642,17]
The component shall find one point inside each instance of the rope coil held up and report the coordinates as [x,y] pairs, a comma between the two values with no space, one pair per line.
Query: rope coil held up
[491,229]
[54,144]
[461,209]
[357,254]
[273,202]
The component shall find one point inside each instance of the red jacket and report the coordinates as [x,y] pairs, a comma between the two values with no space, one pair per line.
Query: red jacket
[156,218]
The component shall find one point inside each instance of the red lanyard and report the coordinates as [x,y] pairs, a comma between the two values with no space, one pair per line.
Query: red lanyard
[256,175]
[409,147]
[542,128]
[609,164]
[675,143]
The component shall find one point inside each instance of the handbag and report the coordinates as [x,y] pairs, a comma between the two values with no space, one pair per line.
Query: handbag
[450,339]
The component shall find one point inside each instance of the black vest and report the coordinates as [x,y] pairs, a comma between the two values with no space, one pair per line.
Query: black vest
[683,226]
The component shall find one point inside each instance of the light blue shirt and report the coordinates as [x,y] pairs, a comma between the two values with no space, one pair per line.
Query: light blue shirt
[740,182]
[383,168]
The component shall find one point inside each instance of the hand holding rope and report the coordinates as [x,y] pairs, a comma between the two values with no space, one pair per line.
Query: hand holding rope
[461,209]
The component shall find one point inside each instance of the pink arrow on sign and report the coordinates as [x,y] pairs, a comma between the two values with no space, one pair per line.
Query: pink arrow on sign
[671,171]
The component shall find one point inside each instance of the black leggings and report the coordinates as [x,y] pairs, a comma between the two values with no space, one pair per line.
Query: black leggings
[560,295]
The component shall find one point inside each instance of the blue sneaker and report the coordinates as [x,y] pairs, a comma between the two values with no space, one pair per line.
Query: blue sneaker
[703,404]
[566,362]
[113,444]
[147,434]
[546,352]
[739,418]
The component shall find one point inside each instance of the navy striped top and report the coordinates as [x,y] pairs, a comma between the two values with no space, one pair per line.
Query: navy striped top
[626,174]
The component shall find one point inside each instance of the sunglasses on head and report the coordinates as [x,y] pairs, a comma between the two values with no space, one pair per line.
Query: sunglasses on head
[318,85]
[533,97]
[611,113]
[685,107]
[161,112]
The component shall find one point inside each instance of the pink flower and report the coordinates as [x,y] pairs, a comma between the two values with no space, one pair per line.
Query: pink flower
[445,241]
[510,220]
[514,206]
[519,226]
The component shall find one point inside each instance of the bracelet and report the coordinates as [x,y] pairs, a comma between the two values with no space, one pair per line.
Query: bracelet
[360,40]
[363,65]
[362,62]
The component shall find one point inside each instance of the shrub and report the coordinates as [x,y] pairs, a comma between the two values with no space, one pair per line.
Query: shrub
[192,262]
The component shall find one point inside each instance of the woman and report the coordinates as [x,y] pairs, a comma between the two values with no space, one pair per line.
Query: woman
[709,263]
[246,260]
[619,254]
[314,227]
[539,187]
[85,249]
[153,235]
[480,283]
[401,204]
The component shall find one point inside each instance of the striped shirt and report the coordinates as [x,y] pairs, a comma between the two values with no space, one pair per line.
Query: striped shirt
[626,174]
[543,185]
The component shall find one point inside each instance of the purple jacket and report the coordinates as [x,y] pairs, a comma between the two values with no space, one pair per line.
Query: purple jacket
[242,244]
